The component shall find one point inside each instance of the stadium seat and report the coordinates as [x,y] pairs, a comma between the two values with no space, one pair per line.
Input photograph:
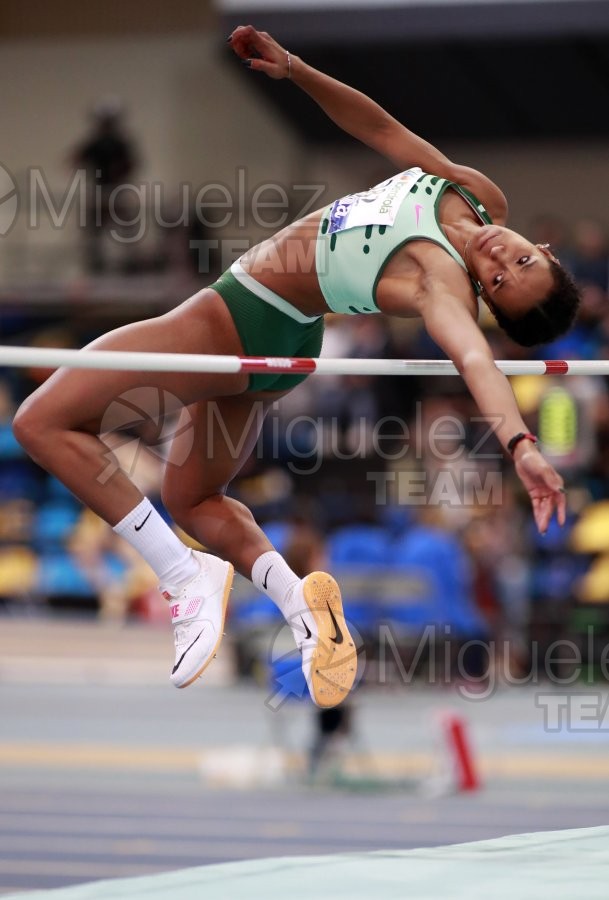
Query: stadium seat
[359,544]
[433,583]
[54,522]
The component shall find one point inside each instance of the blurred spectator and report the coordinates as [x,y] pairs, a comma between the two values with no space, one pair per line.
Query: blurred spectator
[108,156]
[549,229]
[501,585]
[58,337]
[122,582]
[590,263]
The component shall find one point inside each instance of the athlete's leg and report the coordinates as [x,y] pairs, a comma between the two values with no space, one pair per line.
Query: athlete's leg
[226,430]
[59,424]
[213,440]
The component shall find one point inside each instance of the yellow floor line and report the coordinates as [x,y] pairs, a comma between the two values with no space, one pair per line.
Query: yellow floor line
[546,765]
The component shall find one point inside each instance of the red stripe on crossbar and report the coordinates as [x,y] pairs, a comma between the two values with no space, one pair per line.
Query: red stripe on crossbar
[556,367]
[291,366]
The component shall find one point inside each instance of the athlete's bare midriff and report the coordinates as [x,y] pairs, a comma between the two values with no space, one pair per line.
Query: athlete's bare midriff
[285,264]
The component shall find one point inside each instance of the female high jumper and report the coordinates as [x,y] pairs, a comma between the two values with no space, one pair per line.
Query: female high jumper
[427,242]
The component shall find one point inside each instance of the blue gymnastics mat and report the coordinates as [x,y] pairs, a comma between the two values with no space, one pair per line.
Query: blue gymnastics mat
[553,864]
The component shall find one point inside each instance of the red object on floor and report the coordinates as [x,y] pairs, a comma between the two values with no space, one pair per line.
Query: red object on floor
[461,753]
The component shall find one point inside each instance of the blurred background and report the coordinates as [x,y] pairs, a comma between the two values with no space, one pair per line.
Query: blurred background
[138,159]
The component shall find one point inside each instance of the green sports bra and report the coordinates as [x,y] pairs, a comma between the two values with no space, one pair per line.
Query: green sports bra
[360,233]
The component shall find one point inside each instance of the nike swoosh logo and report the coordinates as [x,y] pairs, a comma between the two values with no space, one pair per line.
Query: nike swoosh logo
[418,209]
[139,527]
[179,662]
[266,576]
[338,636]
[307,629]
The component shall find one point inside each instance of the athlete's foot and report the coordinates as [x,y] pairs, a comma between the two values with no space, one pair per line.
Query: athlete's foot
[329,656]
[198,610]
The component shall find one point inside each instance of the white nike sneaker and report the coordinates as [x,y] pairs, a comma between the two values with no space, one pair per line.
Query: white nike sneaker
[198,610]
[329,655]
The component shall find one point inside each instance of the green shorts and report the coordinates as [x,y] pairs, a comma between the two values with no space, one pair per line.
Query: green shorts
[266,330]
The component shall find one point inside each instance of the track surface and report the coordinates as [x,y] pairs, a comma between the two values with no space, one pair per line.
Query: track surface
[101,765]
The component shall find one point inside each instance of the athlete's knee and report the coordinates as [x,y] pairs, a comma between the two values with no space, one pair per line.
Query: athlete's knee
[180,510]
[30,424]
[180,514]
[187,512]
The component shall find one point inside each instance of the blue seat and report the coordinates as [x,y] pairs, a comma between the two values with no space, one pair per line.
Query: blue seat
[411,597]
[362,616]
[396,519]
[556,538]
[54,522]
[361,590]
[359,544]
[278,533]
[9,446]
[56,490]
[437,583]
[579,343]
[60,576]
[19,479]
[556,578]
[256,612]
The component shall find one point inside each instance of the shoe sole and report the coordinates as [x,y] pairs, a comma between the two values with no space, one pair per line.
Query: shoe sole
[230,574]
[333,663]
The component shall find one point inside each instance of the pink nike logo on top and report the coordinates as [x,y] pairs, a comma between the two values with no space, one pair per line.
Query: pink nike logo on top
[417,211]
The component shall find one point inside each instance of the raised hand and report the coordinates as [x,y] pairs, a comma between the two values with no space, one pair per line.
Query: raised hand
[260,51]
[544,486]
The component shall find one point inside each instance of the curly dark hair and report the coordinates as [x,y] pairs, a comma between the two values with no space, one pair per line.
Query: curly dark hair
[550,318]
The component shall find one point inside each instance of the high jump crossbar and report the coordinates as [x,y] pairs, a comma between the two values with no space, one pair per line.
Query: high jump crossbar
[32,357]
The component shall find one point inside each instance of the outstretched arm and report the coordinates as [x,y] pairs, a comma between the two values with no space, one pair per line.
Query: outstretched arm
[453,328]
[361,117]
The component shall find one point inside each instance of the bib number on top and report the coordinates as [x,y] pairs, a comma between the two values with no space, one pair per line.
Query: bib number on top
[377,206]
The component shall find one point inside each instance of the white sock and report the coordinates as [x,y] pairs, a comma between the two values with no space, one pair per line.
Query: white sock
[170,559]
[272,575]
